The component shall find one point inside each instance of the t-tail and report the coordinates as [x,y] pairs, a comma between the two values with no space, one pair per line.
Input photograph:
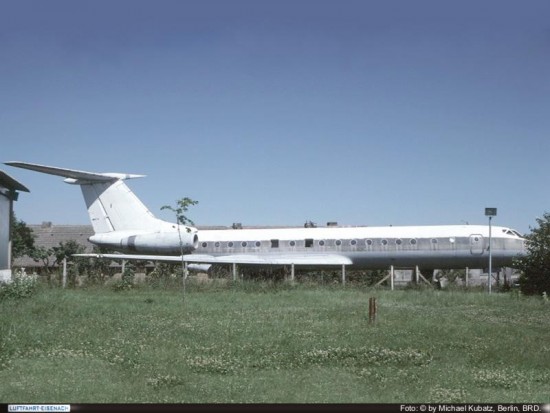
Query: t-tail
[119,219]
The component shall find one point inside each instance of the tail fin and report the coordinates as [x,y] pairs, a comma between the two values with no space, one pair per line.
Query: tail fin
[112,206]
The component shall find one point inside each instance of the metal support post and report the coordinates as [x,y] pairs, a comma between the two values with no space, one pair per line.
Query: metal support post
[490,212]
[392,275]
[343,274]
[64,272]
[490,278]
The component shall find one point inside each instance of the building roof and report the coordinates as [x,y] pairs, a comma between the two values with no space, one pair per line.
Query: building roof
[8,182]
[48,235]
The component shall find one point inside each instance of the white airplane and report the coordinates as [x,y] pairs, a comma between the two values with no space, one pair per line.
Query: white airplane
[123,223]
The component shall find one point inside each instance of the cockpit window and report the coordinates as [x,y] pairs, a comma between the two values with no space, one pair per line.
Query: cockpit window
[511,232]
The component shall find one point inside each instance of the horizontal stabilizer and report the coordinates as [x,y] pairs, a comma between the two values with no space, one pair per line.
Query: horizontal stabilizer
[77,175]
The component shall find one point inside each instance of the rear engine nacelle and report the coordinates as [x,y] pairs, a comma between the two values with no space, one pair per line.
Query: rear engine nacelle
[167,243]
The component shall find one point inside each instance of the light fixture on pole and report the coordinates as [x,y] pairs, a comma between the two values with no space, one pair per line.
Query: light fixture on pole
[490,212]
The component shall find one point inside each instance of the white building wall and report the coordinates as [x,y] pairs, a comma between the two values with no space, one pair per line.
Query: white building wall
[5,272]
[4,232]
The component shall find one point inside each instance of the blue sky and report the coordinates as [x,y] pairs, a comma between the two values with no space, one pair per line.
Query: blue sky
[278,112]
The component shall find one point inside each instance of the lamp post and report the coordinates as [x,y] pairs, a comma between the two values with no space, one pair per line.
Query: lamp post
[490,212]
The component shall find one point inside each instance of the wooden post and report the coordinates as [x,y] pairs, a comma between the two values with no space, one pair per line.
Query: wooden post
[391,276]
[372,310]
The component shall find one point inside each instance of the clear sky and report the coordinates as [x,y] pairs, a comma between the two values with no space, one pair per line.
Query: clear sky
[277,112]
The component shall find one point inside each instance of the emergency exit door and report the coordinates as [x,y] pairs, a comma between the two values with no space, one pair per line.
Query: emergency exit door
[477,244]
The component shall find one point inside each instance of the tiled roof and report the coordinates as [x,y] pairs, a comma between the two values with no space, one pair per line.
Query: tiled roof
[48,235]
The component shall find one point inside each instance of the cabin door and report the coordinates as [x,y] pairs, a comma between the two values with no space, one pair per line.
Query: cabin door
[476,244]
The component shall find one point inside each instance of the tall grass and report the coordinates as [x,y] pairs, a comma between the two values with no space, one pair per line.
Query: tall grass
[264,342]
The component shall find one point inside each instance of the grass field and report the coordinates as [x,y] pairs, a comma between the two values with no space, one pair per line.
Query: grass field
[258,343]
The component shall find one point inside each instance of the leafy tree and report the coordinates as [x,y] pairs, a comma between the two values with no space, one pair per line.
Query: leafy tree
[535,265]
[183,205]
[180,210]
[22,238]
[66,250]
[44,255]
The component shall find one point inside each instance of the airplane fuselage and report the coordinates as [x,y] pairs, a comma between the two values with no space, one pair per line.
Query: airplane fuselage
[374,247]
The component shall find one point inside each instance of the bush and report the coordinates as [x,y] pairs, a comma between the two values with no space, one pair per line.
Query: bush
[126,282]
[22,286]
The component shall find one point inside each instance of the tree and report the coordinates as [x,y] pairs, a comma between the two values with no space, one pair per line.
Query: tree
[22,238]
[66,250]
[42,254]
[182,207]
[535,264]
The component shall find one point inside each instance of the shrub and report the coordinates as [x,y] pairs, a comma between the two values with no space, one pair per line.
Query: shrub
[126,282]
[22,286]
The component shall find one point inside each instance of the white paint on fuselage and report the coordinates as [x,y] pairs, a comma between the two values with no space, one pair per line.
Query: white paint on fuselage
[450,246]
[404,232]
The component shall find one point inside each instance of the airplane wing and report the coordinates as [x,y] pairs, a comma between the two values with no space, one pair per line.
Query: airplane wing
[248,259]
[282,259]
